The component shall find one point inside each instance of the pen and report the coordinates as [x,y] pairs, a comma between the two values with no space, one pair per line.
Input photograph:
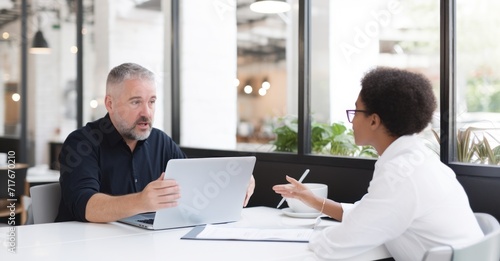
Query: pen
[300,181]
[316,223]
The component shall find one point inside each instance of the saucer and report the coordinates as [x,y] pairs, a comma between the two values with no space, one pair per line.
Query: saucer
[289,212]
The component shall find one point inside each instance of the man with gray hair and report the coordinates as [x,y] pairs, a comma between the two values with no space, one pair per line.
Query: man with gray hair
[113,167]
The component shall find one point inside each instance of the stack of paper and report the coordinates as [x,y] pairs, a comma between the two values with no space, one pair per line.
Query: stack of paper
[214,232]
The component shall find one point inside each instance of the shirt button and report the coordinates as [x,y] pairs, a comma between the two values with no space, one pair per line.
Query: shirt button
[135,180]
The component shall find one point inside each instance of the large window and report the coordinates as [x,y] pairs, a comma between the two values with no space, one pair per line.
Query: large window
[350,37]
[245,93]
[113,32]
[477,86]
[9,85]
[238,74]
[221,107]
[237,84]
[48,75]
[117,32]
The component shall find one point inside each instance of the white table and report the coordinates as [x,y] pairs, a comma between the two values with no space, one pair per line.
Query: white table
[41,174]
[116,241]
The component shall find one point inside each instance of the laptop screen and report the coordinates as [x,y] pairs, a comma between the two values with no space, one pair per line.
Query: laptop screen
[212,191]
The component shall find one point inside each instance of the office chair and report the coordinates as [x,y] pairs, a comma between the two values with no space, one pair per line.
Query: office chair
[45,202]
[487,222]
[485,249]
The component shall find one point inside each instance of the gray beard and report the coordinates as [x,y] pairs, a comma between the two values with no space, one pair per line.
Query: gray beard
[130,133]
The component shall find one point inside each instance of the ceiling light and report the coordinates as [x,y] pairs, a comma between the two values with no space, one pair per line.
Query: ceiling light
[270,7]
[40,45]
[16,97]
[94,104]
[266,85]
[248,89]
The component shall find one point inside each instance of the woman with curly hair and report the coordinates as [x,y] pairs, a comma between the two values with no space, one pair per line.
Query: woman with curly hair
[414,201]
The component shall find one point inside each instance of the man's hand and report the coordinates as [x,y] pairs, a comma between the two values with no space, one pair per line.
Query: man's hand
[161,193]
[250,189]
[157,194]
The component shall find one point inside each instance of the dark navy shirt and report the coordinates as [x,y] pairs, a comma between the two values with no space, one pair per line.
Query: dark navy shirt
[96,159]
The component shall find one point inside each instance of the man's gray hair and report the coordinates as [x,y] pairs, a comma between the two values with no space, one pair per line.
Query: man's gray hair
[127,71]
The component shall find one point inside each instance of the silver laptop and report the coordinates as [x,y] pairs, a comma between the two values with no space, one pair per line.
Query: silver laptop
[212,191]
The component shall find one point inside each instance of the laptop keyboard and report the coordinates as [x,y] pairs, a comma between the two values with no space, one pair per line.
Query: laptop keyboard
[147,221]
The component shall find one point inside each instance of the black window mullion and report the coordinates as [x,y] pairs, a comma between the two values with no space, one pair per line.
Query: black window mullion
[175,65]
[23,138]
[304,103]
[79,63]
[448,66]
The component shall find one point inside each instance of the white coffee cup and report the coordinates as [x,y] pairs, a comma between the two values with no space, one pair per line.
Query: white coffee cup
[298,206]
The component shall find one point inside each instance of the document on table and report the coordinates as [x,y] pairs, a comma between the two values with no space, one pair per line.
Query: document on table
[214,232]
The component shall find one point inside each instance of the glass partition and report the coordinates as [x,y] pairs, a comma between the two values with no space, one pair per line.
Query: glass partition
[113,32]
[350,37]
[10,76]
[476,134]
[238,74]
[116,32]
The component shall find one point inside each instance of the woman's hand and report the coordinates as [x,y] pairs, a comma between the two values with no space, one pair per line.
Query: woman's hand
[296,190]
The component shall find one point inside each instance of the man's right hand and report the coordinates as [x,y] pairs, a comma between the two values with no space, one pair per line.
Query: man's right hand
[161,193]
[156,195]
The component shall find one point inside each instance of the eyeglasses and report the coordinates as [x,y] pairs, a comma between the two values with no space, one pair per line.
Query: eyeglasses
[352,113]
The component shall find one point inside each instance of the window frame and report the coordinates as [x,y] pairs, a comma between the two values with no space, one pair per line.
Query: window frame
[304,155]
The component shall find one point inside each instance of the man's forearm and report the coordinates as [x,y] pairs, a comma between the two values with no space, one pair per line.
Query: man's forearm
[104,208]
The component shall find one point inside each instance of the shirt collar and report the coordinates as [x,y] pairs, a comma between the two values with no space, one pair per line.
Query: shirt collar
[109,130]
[397,146]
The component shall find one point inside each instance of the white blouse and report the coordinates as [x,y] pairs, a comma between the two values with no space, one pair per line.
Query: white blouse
[414,202]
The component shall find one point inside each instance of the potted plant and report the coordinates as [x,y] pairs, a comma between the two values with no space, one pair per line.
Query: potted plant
[331,139]
[473,146]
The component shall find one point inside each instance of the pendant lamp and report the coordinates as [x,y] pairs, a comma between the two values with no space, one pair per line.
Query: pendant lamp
[270,6]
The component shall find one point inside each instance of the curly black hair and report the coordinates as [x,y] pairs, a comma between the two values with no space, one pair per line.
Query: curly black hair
[403,100]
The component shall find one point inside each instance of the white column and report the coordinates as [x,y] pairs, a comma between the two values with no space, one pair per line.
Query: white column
[208,70]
